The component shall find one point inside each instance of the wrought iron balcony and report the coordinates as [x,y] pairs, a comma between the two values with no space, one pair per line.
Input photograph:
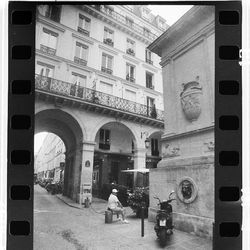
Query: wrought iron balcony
[130,52]
[130,78]
[80,61]
[107,70]
[66,89]
[108,41]
[83,31]
[149,61]
[122,19]
[47,50]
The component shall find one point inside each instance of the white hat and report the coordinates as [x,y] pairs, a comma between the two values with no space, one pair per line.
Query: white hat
[114,190]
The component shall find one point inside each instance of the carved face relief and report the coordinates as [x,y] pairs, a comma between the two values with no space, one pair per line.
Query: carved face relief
[187,190]
[170,151]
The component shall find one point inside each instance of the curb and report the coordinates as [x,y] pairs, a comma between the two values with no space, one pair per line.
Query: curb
[70,205]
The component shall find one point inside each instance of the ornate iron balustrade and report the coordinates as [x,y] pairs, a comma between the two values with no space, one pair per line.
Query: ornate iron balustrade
[108,41]
[80,61]
[130,52]
[83,31]
[149,61]
[47,50]
[92,96]
[107,70]
[120,18]
[130,78]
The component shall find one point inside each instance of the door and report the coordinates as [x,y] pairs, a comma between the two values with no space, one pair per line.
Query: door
[114,171]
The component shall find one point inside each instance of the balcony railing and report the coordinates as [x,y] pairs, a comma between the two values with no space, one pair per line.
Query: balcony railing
[149,61]
[122,19]
[107,70]
[80,61]
[83,31]
[130,52]
[59,87]
[108,41]
[130,78]
[47,50]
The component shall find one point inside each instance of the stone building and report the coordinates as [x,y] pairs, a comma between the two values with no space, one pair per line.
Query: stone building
[187,51]
[100,90]
[50,159]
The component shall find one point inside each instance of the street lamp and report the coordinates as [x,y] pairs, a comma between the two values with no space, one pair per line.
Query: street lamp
[147,142]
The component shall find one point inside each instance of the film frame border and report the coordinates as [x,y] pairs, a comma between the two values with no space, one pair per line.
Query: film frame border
[228,169]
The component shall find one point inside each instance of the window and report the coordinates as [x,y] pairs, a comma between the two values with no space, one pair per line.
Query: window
[45,70]
[154,147]
[78,83]
[130,73]
[148,56]
[104,139]
[108,36]
[151,111]
[130,95]
[106,88]
[150,101]
[83,25]
[81,53]
[44,74]
[129,21]
[78,79]
[48,41]
[130,47]
[146,32]
[53,12]
[107,62]
[145,13]
[149,80]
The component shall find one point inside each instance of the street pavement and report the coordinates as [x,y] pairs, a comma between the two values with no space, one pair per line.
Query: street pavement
[60,224]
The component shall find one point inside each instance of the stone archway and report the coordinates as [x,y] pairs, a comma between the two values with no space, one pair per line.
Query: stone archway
[114,152]
[68,129]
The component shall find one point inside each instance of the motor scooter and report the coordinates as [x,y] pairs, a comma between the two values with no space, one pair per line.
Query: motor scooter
[164,220]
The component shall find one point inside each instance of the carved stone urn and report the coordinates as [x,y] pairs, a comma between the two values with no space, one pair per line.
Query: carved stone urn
[191,100]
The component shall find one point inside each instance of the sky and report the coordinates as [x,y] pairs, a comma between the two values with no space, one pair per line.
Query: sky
[169,12]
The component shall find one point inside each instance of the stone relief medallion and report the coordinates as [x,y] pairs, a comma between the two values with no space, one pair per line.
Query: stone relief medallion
[187,190]
[191,100]
[170,151]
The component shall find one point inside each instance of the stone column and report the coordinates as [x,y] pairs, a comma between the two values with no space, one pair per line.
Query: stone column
[86,171]
[139,163]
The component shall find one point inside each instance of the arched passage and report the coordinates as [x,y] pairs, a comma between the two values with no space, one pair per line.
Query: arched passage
[68,129]
[114,152]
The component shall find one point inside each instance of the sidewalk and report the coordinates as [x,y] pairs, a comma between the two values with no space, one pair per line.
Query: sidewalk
[128,236]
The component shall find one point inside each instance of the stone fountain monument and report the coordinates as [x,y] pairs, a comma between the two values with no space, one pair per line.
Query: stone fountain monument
[187,51]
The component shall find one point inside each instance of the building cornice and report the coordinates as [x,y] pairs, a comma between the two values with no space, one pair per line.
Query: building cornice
[149,67]
[188,133]
[188,44]
[108,49]
[92,40]
[84,39]
[189,20]
[131,59]
[99,72]
[50,23]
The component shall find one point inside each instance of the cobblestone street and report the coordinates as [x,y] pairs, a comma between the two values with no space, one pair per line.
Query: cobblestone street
[58,226]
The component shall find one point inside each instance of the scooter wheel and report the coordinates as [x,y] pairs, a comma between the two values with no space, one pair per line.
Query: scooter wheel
[163,237]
